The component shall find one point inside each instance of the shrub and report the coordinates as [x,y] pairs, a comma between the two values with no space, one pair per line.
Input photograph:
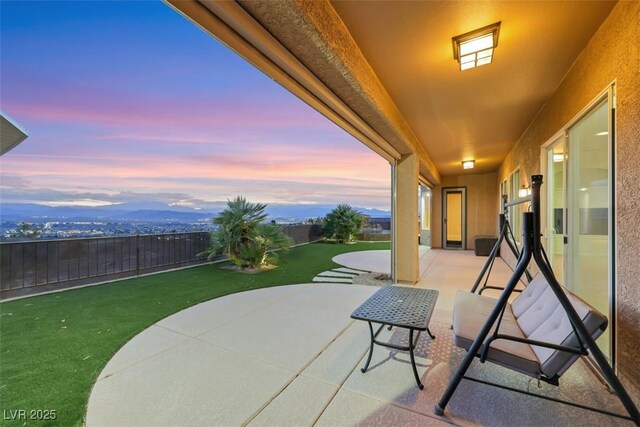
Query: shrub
[342,223]
[243,236]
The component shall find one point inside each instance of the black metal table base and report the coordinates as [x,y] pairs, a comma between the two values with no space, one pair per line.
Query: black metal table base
[410,348]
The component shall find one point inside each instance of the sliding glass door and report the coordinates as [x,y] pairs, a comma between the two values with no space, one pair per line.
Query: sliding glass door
[589,191]
[556,200]
[579,211]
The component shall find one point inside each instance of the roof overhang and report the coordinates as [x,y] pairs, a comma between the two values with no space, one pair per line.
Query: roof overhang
[352,101]
[11,134]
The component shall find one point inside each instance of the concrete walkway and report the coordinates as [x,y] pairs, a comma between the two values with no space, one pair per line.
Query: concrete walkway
[378,261]
[290,356]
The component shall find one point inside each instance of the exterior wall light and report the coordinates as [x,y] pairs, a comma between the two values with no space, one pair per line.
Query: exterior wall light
[468,164]
[475,48]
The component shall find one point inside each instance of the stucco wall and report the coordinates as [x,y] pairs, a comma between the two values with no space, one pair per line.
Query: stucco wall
[482,206]
[612,54]
[406,220]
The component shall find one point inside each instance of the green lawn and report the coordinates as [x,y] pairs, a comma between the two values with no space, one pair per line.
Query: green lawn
[52,347]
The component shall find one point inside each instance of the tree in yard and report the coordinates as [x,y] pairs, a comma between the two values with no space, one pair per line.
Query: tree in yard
[313,221]
[243,236]
[342,223]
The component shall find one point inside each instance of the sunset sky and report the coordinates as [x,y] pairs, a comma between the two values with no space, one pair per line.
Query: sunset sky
[128,101]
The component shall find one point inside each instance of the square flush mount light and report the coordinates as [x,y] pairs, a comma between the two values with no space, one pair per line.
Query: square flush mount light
[475,48]
[468,164]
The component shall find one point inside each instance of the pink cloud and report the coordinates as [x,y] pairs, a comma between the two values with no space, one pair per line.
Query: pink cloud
[272,168]
[91,106]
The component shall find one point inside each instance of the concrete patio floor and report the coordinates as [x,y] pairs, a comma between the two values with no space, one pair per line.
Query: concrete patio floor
[290,356]
[378,261]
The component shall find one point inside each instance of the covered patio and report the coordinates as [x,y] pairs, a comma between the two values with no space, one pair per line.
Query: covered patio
[291,355]
[546,85]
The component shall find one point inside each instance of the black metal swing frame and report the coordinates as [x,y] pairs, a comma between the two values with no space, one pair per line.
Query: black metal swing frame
[532,248]
[506,235]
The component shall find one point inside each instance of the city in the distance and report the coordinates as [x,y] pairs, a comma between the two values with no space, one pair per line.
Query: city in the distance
[29,221]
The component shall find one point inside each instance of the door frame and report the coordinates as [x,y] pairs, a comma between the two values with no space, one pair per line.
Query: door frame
[422,186]
[463,221]
[546,222]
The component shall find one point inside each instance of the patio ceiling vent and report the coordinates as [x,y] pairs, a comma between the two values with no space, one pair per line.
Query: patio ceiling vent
[475,48]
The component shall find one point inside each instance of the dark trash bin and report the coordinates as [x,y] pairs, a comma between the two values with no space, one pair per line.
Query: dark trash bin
[484,244]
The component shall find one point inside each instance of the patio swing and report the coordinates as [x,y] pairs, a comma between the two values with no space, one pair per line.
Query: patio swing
[506,235]
[540,334]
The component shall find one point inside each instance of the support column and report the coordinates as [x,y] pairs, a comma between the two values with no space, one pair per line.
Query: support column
[405,220]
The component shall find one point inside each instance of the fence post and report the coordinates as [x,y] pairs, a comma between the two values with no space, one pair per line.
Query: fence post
[137,254]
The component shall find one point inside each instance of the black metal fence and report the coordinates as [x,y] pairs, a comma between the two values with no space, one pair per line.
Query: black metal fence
[34,267]
[29,268]
[300,234]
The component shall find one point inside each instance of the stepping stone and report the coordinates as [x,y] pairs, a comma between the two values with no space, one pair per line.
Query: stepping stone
[319,279]
[335,274]
[351,273]
[349,270]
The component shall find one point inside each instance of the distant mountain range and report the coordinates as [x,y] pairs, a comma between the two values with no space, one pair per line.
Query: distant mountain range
[157,212]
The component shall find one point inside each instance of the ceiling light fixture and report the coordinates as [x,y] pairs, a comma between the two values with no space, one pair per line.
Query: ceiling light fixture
[468,164]
[524,191]
[475,48]
[559,157]
[602,133]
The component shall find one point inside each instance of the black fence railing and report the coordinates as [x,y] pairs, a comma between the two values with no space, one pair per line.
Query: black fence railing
[34,267]
[300,234]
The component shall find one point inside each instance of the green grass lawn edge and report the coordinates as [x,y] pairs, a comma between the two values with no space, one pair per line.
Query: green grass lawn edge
[54,346]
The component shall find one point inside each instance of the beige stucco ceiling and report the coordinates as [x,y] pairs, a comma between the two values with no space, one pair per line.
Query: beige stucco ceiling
[477,114]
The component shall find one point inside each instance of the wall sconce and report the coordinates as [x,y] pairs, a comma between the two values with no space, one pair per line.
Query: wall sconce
[524,191]
[475,48]
[468,164]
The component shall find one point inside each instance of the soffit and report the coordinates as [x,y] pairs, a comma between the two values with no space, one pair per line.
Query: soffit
[480,113]
[10,134]
[315,35]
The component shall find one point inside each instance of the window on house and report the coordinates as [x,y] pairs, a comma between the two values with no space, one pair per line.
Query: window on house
[503,192]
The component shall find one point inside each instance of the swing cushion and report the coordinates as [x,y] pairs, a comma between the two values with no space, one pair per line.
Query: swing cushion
[537,315]
[469,315]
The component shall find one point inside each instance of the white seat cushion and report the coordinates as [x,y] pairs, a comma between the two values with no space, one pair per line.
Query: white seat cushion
[469,316]
[541,317]
[537,315]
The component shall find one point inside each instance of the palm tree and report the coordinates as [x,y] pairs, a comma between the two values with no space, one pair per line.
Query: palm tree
[342,223]
[243,236]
